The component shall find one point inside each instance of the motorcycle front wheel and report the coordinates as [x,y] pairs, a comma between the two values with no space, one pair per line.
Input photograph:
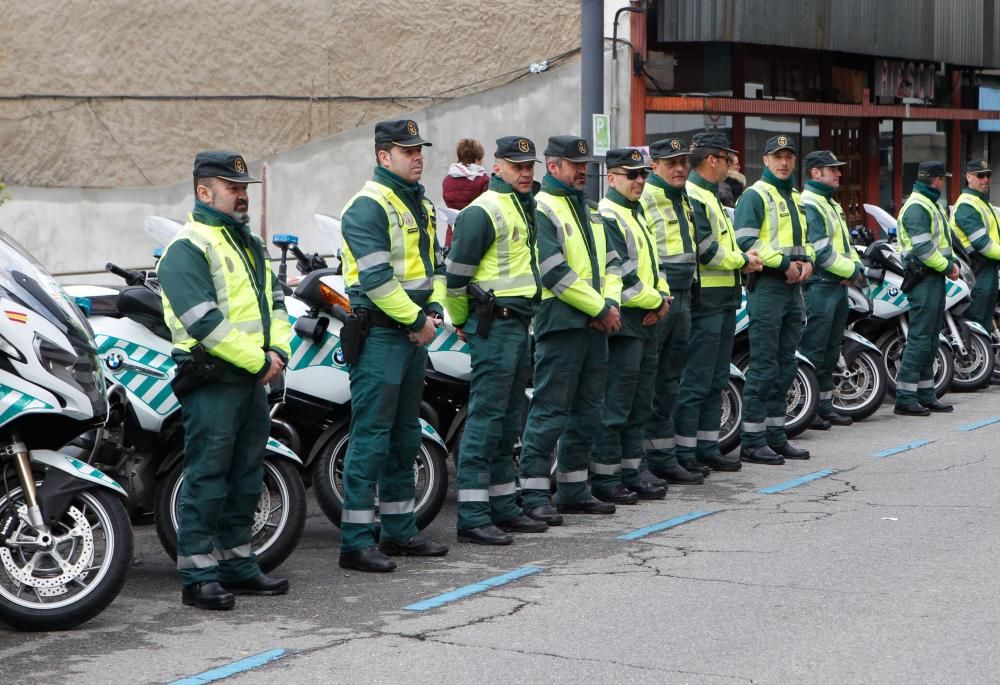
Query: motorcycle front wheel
[893,344]
[430,479]
[802,401]
[859,389]
[974,370]
[732,416]
[278,521]
[64,583]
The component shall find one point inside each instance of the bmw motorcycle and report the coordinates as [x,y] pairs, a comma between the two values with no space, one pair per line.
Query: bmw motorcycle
[65,537]
[146,449]
[313,416]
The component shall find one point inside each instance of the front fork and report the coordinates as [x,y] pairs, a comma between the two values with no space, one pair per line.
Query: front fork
[956,334]
[18,451]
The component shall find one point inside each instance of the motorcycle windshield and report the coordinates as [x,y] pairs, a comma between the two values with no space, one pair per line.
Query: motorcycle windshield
[27,282]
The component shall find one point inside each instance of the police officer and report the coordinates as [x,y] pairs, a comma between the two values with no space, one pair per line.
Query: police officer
[668,213]
[925,244]
[975,224]
[837,265]
[493,247]
[394,274]
[581,291]
[226,314]
[713,312]
[632,351]
[770,219]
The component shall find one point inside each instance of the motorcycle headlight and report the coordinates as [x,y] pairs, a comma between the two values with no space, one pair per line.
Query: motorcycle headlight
[80,370]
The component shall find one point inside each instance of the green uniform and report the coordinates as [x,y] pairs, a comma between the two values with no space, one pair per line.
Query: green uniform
[668,214]
[924,240]
[493,246]
[632,351]
[713,322]
[825,295]
[392,267]
[770,219]
[580,280]
[975,224]
[218,291]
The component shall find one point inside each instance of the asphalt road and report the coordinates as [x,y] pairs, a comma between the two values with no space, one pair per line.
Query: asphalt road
[882,571]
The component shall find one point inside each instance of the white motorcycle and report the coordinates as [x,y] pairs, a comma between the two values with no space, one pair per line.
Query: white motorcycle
[65,537]
[147,449]
[970,346]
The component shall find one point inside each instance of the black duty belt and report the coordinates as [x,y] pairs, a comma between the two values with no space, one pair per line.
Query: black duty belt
[501,312]
[376,317]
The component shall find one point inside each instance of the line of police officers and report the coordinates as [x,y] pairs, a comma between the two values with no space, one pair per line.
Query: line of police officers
[630,305]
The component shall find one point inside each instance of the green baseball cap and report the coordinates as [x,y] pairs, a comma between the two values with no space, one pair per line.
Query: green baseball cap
[625,158]
[573,148]
[401,132]
[515,149]
[220,164]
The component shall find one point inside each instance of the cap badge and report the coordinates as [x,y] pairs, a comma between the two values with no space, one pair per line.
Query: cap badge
[239,165]
[983,164]
[782,140]
[675,144]
[833,157]
[522,145]
[636,155]
[411,128]
[581,145]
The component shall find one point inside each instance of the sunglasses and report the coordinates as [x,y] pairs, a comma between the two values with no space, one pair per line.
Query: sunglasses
[985,174]
[632,174]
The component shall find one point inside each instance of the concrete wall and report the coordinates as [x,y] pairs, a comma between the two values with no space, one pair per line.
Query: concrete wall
[124,92]
[74,231]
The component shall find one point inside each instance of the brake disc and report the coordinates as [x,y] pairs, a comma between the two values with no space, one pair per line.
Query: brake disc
[51,580]
[263,513]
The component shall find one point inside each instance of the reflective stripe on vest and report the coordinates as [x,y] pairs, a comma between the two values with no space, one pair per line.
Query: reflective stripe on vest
[638,243]
[406,255]
[940,236]
[991,225]
[777,228]
[236,291]
[559,211]
[835,226]
[722,232]
[506,266]
[672,245]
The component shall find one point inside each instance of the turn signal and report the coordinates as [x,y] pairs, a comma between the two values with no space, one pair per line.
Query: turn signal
[332,297]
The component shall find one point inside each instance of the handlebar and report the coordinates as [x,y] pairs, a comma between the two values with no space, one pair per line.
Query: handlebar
[130,277]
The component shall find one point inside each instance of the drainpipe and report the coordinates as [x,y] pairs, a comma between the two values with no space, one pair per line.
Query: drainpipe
[591,80]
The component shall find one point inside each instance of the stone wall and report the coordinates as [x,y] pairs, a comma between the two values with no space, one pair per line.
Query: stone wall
[123,93]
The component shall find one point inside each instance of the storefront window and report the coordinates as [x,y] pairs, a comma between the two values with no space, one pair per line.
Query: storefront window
[923,141]
[885,166]
[664,124]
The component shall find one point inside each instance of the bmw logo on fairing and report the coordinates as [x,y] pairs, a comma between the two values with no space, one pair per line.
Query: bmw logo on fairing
[114,361]
[338,357]
[893,292]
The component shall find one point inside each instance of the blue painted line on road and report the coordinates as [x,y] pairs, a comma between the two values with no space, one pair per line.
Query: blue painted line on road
[663,525]
[250,663]
[795,482]
[979,424]
[474,588]
[902,448]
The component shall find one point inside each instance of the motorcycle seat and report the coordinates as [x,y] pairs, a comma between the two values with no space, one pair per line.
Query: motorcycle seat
[143,306]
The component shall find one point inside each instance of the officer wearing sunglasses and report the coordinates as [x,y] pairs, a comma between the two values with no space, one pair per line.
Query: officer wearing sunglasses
[975,224]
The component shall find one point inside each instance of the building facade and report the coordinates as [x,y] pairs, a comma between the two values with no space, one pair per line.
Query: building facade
[885,84]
